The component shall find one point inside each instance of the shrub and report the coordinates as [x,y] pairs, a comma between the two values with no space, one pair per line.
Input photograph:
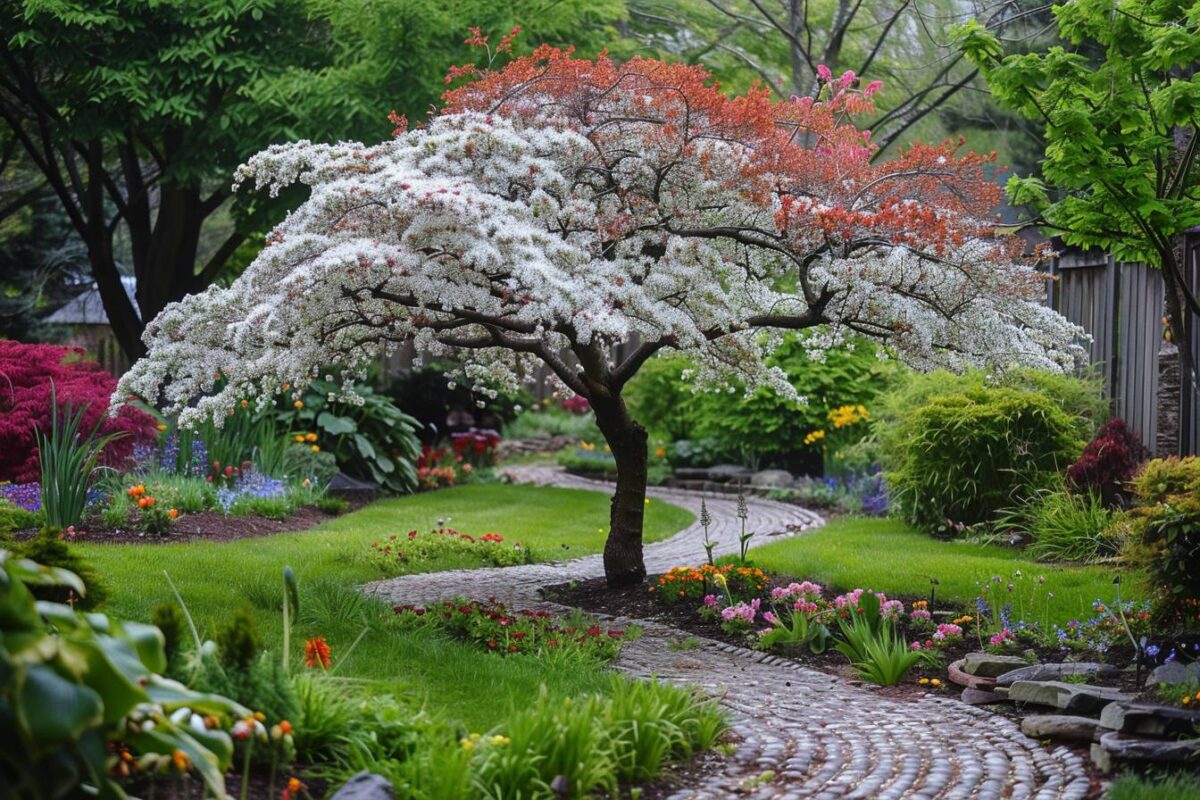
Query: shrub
[74,688]
[333,506]
[547,419]
[48,548]
[32,372]
[1107,465]
[1071,527]
[299,462]
[1165,534]
[170,622]
[15,518]
[238,640]
[962,457]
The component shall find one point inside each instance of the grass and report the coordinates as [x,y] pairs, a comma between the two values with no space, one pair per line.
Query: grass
[889,557]
[1166,787]
[447,677]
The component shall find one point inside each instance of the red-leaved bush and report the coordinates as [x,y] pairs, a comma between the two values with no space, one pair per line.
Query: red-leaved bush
[1108,462]
[26,374]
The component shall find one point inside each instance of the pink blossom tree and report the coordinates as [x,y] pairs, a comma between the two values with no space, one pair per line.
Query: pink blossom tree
[562,211]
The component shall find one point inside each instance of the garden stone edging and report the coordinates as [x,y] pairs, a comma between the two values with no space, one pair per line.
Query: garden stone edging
[1115,747]
[987,665]
[1063,727]
[820,736]
[1148,719]
[1053,672]
[1066,696]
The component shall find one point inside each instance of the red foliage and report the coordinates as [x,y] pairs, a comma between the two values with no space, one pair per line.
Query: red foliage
[26,373]
[1107,464]
[928,197]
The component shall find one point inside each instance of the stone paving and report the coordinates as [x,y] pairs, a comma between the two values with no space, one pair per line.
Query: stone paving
[819,736]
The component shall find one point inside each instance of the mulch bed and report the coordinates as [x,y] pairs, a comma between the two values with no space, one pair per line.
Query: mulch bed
[207,526]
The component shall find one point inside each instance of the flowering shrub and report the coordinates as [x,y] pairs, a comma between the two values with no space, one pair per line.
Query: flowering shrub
[1110,624]
[798,617]
[414,548]
[502,630]
[1108,463]
[693,583]
[150,516]
[437,468]
[575,404]
[475,447]
[30,372]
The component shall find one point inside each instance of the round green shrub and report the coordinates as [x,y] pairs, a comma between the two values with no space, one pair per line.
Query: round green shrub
[962,457]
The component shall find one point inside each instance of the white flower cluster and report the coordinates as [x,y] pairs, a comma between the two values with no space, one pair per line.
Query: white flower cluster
[514,239]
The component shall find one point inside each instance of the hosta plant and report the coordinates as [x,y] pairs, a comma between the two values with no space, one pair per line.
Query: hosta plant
[83,702]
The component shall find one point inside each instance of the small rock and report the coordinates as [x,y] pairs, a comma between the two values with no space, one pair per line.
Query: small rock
[729,472]
[986,665]
[771,478]
[1060,727]
[1148,719]
[1067,696]
[956,674]
[365,786]
[1174,672]
[1054,672]
[979,697]
[1116,746]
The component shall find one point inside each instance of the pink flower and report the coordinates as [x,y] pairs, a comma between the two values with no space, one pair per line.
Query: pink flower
[848,78]
[915,646]
[710,600]
[824,73]
[920,614]
[769,618]
[873,87]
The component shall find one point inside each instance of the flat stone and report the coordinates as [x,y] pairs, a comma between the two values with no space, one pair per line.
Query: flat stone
[1116,746]
[365,786]
[1174,672]
[691,473]
[1148,719]
[956,674]
[729,472]
[1060,727]
[771,478]
[1054,672]
[979,697]
[1067,696]
[986,665]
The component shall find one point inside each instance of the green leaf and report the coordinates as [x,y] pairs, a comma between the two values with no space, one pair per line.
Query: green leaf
[336,425]
[51,709]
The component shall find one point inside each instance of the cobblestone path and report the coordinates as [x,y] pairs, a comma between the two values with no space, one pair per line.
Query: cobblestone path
[819,736]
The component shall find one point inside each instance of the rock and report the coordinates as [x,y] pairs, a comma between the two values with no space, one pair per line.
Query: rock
[771,479]
[986,665]
[691,473]
[979,697]
[1174,672]
[1147,719]
[729,472]
[1054,672]
[956,674]
[365,786]
[1060,727]
[342,485]
[1115,746]
[1067,696]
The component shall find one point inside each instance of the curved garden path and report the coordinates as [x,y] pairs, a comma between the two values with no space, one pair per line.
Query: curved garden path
[820,737]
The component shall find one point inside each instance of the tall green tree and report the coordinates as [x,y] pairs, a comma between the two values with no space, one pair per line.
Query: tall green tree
[136,112]
[1120,107]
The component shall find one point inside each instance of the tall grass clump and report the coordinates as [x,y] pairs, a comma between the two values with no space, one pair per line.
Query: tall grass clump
[68,456]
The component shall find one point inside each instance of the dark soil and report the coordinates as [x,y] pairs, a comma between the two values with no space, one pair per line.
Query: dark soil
[209,526]
[191,787]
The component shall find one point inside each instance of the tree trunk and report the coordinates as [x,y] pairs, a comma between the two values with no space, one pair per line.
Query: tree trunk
[623,564]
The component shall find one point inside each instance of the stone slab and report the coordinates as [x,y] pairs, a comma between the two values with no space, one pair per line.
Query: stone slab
[1061,727]
[771,479]
[1184,751]
[986,665]
[1148,719]
[1054,672]
[979,697]
[1077,697]
[1174,672]
[956,674]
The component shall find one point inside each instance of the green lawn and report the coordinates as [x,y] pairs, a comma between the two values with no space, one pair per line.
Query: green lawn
[889,557]
[331,560]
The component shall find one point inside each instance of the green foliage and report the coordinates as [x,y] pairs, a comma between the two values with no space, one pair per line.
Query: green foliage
[238,640]
[48,549]
[1161,478]
[1164,536]
[873,645]
[333,506]
[761,424]
[1178,786]
[15,518]
[371,439]
[117,513]
[958,451]
[1115,107]
[547,419]
[1066,526]
[170,622]
[300,462]
[70,684]
[68,456]
[266,507]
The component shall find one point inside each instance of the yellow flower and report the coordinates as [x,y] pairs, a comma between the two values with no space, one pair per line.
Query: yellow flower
[719,579]
[299,404]
[924,681]
[162,426]
[499,740]
[660,452]
[586,445]
[315,448]
[298,438]
[815,436]
[647,501]
[935,682]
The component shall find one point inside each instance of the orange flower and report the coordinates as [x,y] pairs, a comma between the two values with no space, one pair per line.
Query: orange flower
[174,512]
[310,437]
[180,760]
[285,727]
[316,653]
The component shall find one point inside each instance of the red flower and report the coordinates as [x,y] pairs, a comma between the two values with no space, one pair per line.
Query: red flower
[491,644]
[594,630]
[316,653]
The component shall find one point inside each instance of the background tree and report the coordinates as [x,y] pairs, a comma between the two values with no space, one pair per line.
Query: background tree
[560,207]
[1120,108]
[135,112]
[933,88]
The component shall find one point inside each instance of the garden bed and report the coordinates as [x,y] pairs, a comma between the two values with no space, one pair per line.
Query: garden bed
[209,526]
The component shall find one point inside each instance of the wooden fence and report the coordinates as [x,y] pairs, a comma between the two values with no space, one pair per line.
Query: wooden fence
[1121,306]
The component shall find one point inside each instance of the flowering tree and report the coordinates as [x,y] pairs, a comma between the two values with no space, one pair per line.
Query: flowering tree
[588,215]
